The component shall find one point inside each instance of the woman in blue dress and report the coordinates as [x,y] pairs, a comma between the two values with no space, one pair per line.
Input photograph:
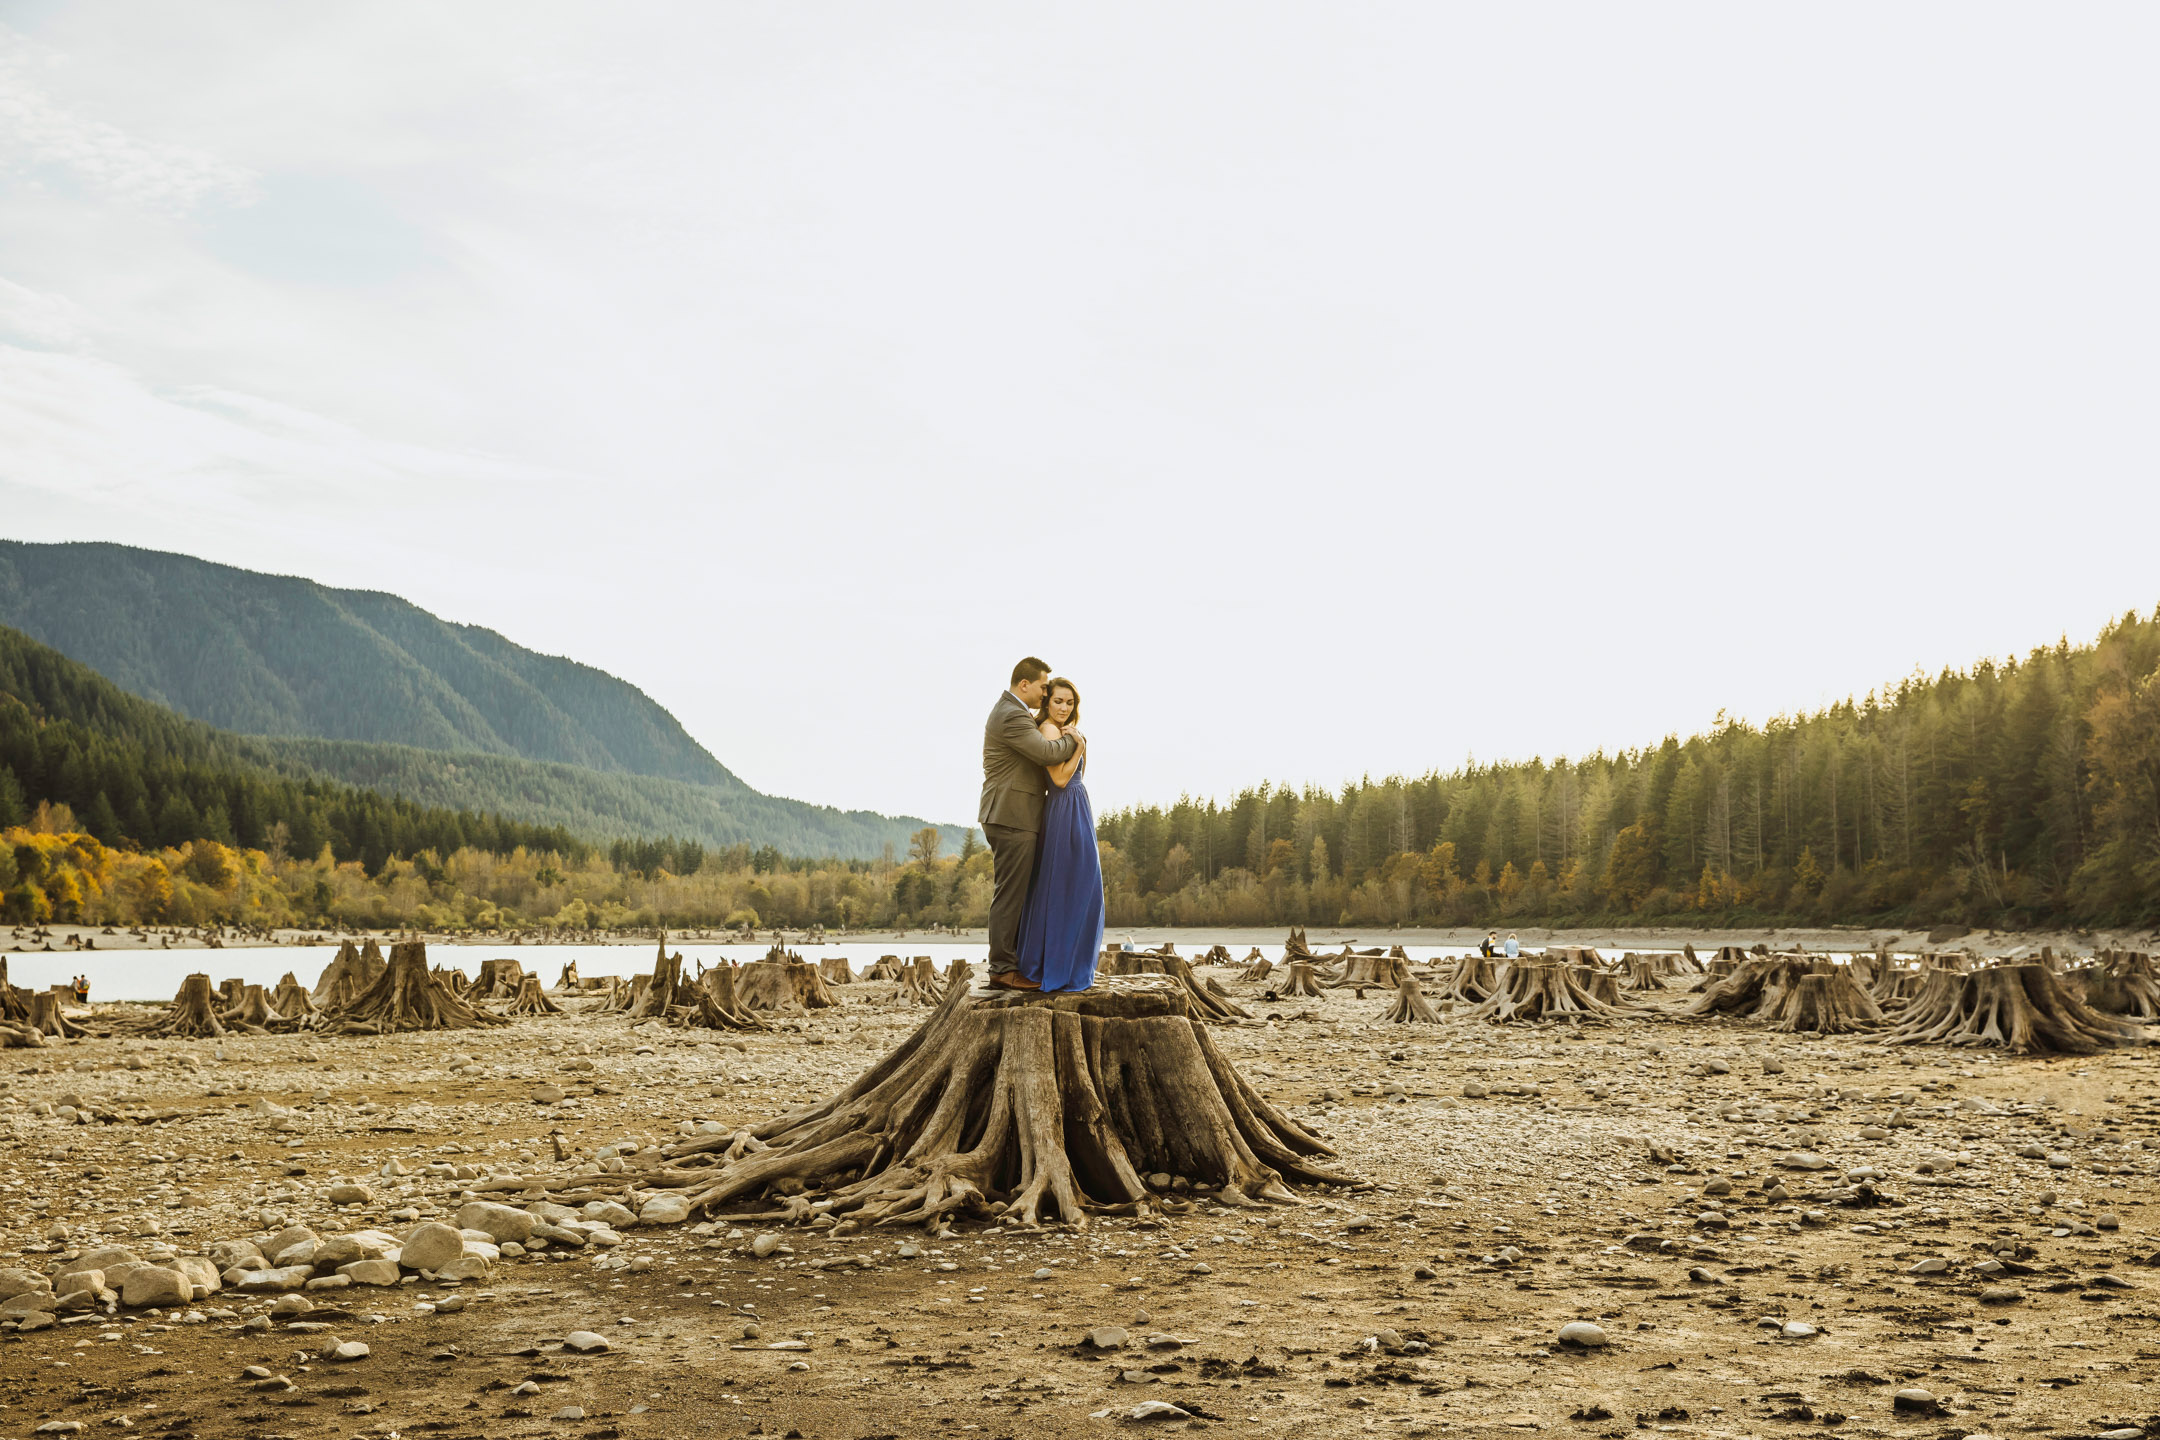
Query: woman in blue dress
[1062,930]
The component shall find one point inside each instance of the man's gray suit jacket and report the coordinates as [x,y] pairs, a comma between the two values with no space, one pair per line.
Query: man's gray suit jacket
[1015,757]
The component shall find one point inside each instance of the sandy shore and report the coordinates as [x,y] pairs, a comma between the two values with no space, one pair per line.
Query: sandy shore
[1516,1179]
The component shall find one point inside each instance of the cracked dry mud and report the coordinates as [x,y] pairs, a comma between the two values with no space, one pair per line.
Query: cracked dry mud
[1519,1179]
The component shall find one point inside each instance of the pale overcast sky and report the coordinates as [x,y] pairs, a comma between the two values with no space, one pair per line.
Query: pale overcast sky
[1328,389]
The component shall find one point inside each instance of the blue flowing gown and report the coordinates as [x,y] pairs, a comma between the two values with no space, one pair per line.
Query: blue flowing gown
[1062,929]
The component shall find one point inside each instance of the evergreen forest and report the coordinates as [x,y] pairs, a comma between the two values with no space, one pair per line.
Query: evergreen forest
[2015,794]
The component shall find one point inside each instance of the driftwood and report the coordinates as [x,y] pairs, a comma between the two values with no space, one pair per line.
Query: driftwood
[531,999]
[1019,1107]
[1410,1007]
[194,1012]
[407,997]
[2023,1008]
[1533,990]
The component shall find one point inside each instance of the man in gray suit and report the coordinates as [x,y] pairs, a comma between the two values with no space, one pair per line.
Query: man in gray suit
[1015,757]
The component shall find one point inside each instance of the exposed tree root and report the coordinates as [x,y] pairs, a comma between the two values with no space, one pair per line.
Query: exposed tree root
[19,1037]
[2024,1008]
[1410,1007]
[1532,990]
[407,997]
[531,999]
[1021,1107]
[1824,1003]
[194,1012]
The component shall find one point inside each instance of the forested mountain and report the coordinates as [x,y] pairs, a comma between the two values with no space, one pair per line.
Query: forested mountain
[276,655]
[367,689]
[136,774]
[2020,793]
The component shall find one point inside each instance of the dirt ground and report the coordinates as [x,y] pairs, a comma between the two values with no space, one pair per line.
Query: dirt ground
[1515,1179]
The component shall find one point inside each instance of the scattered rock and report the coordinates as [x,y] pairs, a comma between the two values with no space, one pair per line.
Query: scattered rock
[585,1342]
[1584,1333]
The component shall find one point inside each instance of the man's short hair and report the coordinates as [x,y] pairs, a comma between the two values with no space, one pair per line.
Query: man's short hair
[1030,669]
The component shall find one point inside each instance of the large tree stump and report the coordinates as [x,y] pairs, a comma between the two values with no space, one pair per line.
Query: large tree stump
[1532,990]
[1823,1003]
[919,982]
[292,1000]
[1299,979]
[1018,1107]
[1472,980]
[716,1006]
[531,999]
[2123,983]
[2023,1008]
[497,980]
[230,991]
[194,1012]
[252,1012]
[1364,970]
[408,997]
[47,1018]
[1410,1007]
[783,985]
[343,979]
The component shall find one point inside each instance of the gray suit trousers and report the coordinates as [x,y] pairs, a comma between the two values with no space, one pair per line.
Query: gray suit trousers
[1012,871]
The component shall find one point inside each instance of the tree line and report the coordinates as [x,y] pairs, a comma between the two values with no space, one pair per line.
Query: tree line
[2015,793]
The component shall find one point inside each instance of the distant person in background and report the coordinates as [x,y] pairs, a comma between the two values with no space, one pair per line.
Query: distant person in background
[82,989]
[1491,947]
[1514,948]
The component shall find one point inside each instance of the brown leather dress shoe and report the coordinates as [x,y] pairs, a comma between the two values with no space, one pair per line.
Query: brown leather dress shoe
[1012,980]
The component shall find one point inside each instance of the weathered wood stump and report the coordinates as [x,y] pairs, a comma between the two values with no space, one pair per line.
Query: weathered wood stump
[14,1000]
[1598,983]
[2023,1008]
[1262,967]
[497,980]
[292,1000]
[919,982]
[1641,972]
[888,967]
[1364,970]
[1018,1107]
[343,979]
[46,1017]
[783,985]
[1532,990]
[1472,980]
[252,1012]
[834,970]
[194,1012]
[2123,983]
[568,983]
[1753,988]
[665,989]
[407,997]
[716,1006]
[531,999]
[1824,1003]
[1410,1007]
[1299,979]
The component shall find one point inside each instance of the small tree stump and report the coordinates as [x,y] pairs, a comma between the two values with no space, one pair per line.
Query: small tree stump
[665,989]
[919,982]
[1410,1007]
[47,1019]
[2123,983]
[1261,967]
[497,980]
[14,1000]
[568,983]
[1641,972]
[343,979]
[531,999]
[252,1012]
[782,985]
[1299,979]
[888,967]
[834,970]
[292,1000]
[2022,1008]
[194,1012]
[408,997]
[1472,980]
[1018,1107]
[1534,990]
[1363,970]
